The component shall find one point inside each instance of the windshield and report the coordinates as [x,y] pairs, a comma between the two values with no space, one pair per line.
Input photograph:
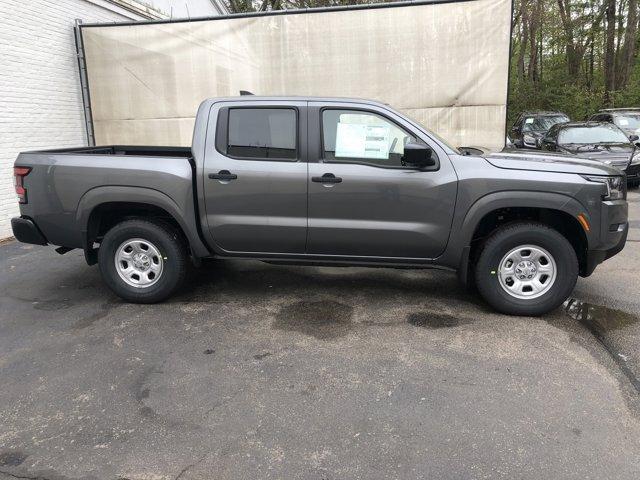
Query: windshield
[629,121]
[593,134]
[542,123]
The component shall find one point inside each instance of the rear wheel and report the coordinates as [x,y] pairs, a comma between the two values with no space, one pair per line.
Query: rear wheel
[526,269]
[142,261]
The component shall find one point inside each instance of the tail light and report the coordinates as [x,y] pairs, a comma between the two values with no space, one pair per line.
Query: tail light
[18,182]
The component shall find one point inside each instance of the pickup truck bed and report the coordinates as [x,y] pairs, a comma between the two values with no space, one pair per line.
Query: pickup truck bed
[113,178]
[123,150]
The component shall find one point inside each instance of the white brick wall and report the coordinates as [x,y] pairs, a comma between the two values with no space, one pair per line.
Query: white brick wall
[40,97]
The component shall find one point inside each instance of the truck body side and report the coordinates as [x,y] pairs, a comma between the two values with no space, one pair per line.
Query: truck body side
[311,207]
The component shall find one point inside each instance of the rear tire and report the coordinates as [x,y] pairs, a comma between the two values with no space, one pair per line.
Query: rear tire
[143,261]
[526,269]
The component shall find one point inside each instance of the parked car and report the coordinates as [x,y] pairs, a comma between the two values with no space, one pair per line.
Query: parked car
[597,141]
[626,119]
[325,181]
[530,127]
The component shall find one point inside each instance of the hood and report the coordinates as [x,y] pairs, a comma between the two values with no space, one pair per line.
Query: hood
[617,155]
[548,162]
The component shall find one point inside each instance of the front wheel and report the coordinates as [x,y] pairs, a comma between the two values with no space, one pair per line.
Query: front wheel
[142,261]
[526,269]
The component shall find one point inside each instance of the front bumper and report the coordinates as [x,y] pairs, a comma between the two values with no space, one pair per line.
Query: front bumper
[26,231]
[614,228]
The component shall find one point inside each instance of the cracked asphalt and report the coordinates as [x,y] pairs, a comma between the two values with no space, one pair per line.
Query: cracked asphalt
[258,371]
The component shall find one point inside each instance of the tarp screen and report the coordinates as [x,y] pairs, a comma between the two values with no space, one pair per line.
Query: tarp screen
[444,64]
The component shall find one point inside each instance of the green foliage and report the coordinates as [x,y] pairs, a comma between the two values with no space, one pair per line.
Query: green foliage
[585,27]
[553,93]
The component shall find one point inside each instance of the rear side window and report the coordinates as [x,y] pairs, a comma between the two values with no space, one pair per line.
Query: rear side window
[266,133]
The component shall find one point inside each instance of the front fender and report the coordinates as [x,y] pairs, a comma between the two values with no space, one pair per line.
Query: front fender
[457,253]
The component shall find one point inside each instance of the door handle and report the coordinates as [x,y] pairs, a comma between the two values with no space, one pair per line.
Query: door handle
[223,175]
[327,178]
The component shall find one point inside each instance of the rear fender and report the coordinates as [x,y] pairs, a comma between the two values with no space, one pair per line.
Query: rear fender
[185,217]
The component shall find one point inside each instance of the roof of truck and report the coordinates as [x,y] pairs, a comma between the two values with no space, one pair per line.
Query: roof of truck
[293,98]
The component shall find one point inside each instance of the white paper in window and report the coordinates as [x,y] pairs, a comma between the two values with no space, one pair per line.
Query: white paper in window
[355,140]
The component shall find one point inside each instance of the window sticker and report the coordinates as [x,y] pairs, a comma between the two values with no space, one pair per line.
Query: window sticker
[528,120]
[356,140]
[623,121]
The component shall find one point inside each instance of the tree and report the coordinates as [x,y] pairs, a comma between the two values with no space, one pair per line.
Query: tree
[628,53]
[609,52]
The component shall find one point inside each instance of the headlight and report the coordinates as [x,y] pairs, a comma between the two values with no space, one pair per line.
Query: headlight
[635,160]
[615,186]
[529,139]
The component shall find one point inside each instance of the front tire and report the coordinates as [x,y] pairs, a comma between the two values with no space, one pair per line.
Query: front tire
[143,261]
[526,269]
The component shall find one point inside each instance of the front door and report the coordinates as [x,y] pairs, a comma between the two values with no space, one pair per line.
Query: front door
[363,200]
[255,177]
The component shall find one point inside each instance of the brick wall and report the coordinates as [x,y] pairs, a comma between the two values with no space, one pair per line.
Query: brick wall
[40,98]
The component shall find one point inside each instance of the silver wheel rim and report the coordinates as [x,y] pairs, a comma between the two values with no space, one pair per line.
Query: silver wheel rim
[139,263]
[527,271]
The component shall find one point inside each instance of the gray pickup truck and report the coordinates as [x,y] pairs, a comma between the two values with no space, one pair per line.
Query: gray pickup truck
[325,181]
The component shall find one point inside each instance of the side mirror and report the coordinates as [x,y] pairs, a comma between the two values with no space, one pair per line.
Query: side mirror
[418,155]
[633,138]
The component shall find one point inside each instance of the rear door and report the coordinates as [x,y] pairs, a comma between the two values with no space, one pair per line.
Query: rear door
[255,177]
[363,200]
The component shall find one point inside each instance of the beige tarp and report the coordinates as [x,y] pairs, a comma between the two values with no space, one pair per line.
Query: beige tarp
[446,65]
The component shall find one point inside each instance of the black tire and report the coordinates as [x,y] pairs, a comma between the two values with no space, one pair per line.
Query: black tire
[509,237]
[165,239]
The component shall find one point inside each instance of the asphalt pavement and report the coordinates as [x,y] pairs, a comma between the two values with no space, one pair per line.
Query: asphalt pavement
[258,371]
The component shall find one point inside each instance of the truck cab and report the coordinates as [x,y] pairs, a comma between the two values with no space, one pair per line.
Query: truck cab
[325,177]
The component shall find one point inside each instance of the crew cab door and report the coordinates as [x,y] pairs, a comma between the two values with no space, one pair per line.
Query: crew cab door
[255,176]
[363,201]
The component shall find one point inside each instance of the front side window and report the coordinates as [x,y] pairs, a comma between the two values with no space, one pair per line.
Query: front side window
[353,136]
[268,133]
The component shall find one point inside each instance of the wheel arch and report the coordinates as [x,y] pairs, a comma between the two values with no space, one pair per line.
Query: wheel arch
[102,207]
[495,210]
